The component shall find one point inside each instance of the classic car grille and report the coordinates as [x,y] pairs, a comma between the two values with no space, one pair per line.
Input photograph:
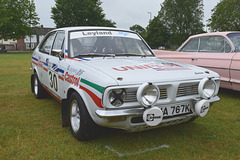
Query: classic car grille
[187,90]
[183,90]
[132,95]
[163,93]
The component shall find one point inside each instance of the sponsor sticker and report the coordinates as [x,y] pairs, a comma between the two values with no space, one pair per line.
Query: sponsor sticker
[156,67]
[153,116]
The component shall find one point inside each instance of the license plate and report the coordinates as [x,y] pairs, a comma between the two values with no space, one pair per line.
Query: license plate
[176,109]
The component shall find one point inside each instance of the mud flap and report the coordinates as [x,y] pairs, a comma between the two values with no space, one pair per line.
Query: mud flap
[65,113]
[32,82]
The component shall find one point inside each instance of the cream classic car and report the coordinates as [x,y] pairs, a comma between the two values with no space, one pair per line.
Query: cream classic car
[217,51]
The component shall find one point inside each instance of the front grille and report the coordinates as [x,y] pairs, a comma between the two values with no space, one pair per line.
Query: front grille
[187,90]
[132,95]
[163,93]
[183,90]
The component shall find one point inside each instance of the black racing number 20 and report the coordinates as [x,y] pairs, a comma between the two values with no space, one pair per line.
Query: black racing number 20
[53,81]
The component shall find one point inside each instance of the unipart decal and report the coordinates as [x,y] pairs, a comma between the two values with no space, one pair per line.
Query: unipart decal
[156,67]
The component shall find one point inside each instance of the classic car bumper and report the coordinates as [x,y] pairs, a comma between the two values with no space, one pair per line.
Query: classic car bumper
[132,119]
[131,112]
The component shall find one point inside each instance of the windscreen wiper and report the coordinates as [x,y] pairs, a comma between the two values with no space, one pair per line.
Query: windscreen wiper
[128,54]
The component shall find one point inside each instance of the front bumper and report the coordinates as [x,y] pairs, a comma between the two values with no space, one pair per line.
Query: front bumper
[131,119]
[132,111]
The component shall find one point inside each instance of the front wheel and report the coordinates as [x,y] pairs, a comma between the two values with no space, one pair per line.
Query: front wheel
[82,126]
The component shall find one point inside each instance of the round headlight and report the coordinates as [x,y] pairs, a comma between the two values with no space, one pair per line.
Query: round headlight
[117,97]
[148,94]
[207,88]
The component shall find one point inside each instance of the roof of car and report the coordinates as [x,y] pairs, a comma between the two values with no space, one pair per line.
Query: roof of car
[214,33]
[91,28]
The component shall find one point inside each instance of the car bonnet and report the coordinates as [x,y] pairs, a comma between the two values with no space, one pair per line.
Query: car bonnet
[139,70]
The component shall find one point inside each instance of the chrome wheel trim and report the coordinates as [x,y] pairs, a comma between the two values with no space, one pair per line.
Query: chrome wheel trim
[35,86]
[75,116]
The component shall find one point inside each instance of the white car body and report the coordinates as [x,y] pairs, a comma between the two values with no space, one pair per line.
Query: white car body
[114,88]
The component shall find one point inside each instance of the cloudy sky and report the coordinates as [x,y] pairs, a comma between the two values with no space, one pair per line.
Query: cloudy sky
[125,13]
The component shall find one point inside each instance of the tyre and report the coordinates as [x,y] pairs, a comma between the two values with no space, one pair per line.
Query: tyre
[37,88]
[82,126]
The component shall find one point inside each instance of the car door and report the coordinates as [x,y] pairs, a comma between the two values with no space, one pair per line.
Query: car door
[214,53]
[43,56]
[55,65]
[235,72]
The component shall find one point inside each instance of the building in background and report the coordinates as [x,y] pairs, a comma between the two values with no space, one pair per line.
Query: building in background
[30,42]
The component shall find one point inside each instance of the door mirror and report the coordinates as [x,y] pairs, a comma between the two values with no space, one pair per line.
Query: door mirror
[58,53]
[61,55]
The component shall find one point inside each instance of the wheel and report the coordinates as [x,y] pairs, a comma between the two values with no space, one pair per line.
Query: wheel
[37,88]
[82,126]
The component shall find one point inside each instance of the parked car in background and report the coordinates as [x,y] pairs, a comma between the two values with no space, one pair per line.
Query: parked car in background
[110,77]
[217,51]
[3,49]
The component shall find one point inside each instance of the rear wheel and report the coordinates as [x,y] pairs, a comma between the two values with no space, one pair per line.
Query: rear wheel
[37,88]
[82,126]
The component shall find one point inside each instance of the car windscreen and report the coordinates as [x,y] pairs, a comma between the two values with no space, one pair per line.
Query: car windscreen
[235,38]
[107,43]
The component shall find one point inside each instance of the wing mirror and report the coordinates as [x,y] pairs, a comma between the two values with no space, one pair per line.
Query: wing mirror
[58,53]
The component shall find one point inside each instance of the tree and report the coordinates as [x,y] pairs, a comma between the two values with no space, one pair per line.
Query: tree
[139,29]
[225,16]
[182,18]
[17,17]
[79,13]
[157,34]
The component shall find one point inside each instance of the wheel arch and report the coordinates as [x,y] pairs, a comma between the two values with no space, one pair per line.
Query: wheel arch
[65,107]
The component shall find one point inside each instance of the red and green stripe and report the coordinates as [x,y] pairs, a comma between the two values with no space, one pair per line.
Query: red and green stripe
[95,98]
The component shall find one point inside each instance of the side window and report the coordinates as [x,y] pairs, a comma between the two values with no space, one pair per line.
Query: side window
[227,47]
[47,44]
[214,44]
[58,44]
[191,46]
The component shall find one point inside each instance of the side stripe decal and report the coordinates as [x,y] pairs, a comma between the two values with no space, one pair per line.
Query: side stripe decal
[93,85]
[95,98]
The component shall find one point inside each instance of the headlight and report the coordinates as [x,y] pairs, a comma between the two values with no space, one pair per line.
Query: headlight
[117,97]
[207,88]
[148,94]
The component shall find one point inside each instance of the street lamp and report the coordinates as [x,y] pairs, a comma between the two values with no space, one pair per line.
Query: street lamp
[150,13]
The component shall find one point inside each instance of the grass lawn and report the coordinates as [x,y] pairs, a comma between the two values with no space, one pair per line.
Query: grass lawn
[31,128]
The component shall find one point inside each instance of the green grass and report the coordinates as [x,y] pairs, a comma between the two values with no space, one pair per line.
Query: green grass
[31,128]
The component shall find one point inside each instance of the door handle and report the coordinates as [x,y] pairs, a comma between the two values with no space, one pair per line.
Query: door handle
[194,59]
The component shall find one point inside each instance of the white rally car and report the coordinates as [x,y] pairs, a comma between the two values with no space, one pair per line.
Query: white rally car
[110,77]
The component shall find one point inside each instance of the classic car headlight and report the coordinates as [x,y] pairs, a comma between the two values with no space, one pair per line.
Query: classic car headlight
[207,88]
[117,97]
[148,94]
